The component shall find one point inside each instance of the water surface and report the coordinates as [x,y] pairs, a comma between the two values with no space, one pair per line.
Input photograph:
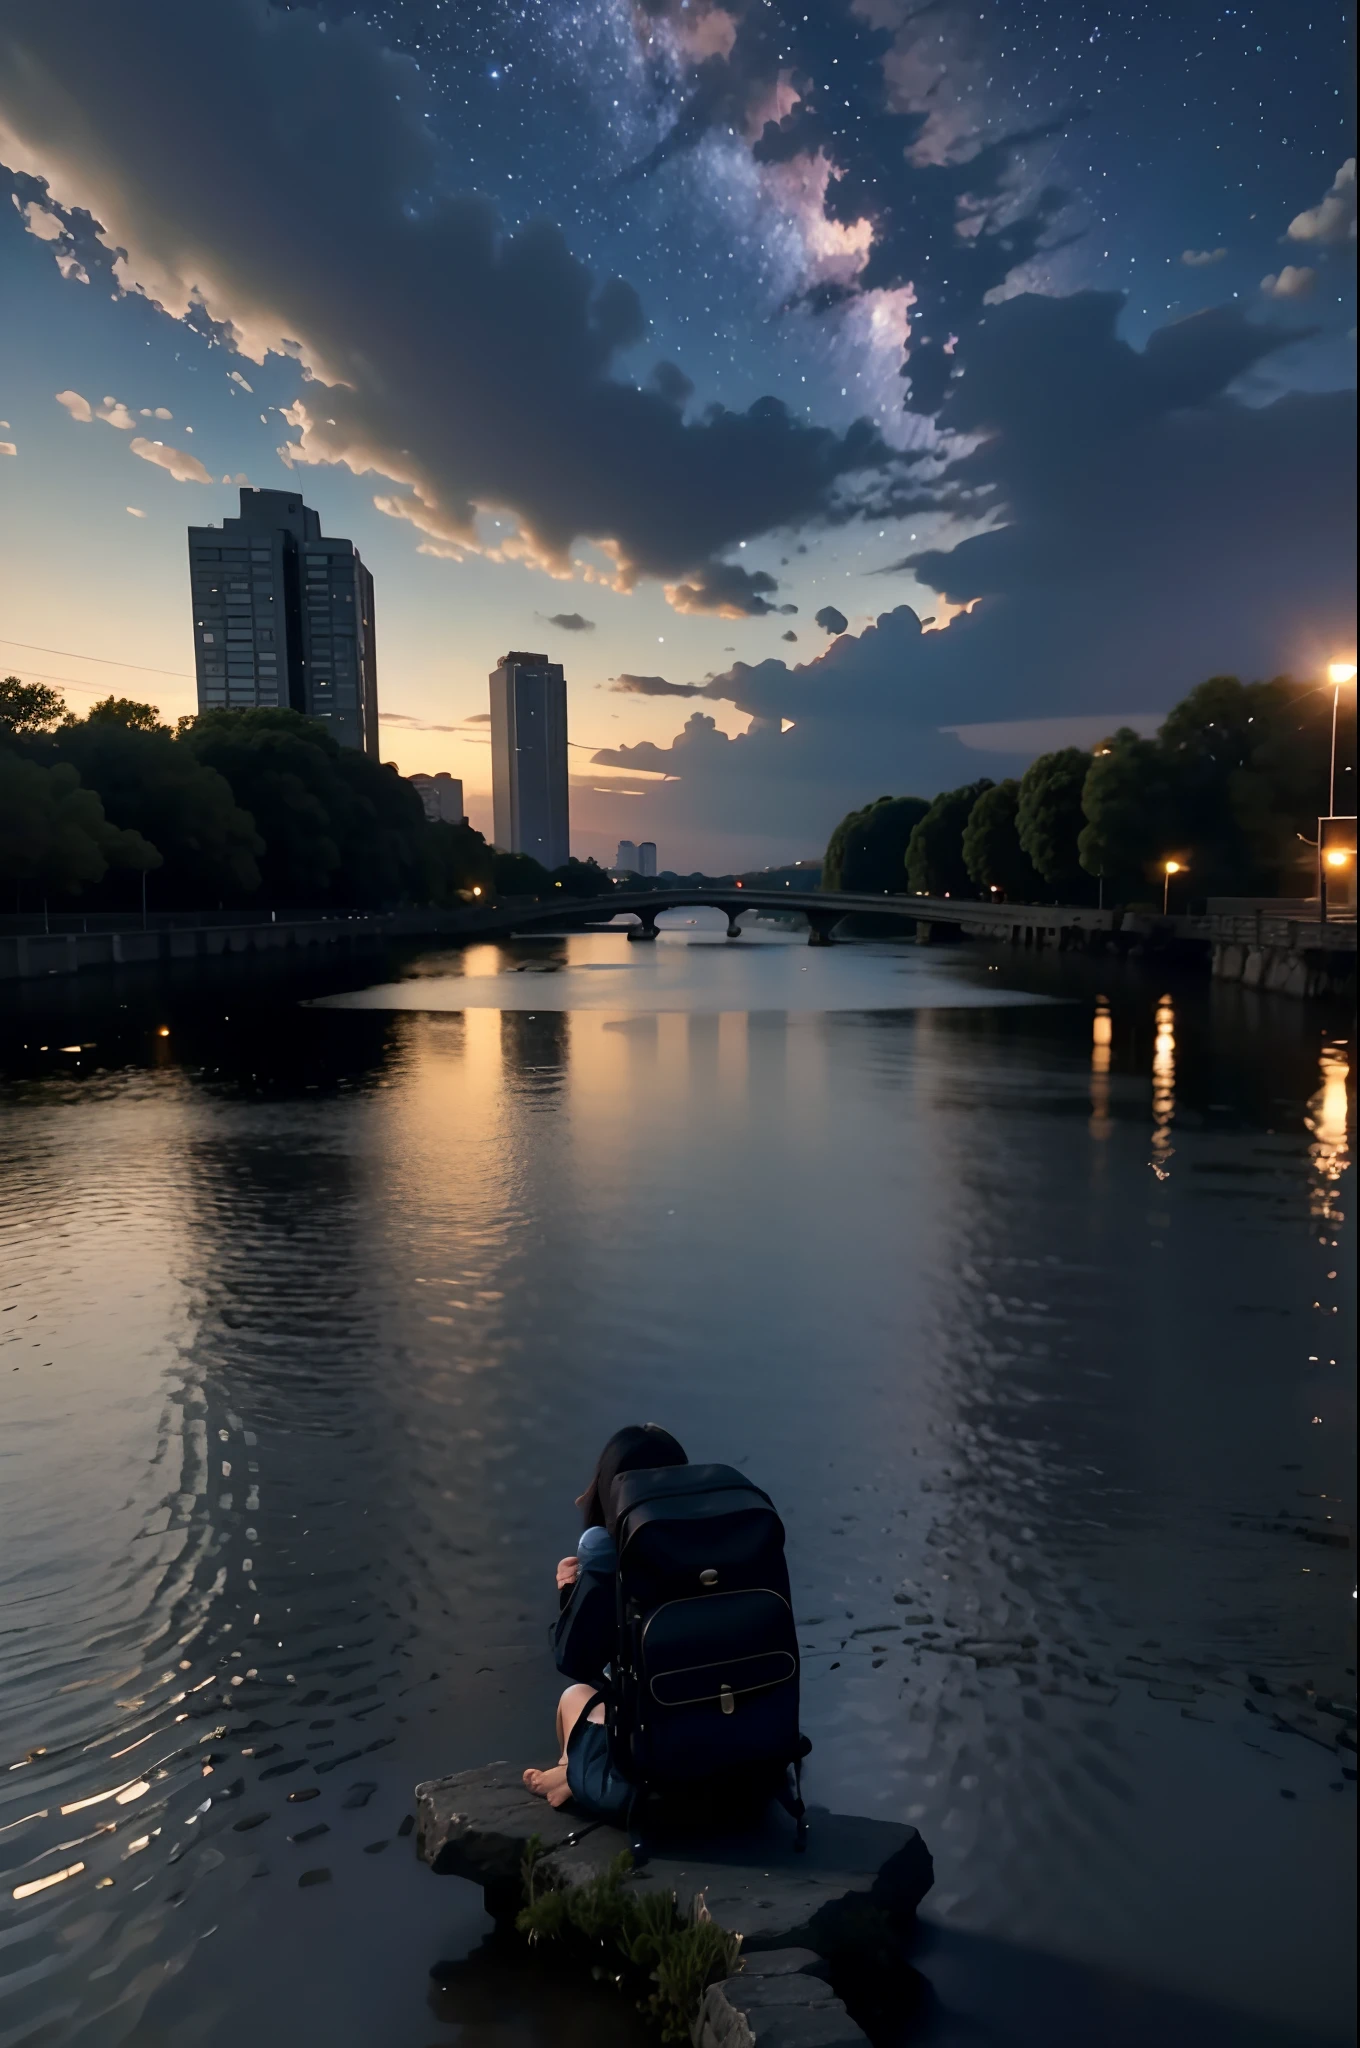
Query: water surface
[1023,1286]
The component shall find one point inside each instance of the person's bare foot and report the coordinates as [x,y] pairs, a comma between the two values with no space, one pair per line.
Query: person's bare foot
[543,1784]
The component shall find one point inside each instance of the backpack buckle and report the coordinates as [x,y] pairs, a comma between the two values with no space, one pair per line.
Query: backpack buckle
[727,1699]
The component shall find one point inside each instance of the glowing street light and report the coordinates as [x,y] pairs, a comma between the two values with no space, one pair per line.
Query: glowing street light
[1338,674]
[1169,868]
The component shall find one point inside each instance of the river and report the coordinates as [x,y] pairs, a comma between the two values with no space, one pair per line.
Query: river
[1023,1284]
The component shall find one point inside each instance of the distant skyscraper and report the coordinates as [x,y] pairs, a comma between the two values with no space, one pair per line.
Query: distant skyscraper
[442,796]
[647,857]
[626,859]
[283,615]
[529,757]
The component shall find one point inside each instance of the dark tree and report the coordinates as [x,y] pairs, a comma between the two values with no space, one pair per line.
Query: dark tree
[1249,766]
[1049,820]
[935,863]
[154,784]
[27,709]
[338,827]
[1130,817]
[127,712]
[519,874]
[867,851]
[53,833]
[582,878]
[458,860]
[992,852]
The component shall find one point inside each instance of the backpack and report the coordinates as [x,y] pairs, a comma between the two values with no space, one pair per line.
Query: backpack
[703,1693]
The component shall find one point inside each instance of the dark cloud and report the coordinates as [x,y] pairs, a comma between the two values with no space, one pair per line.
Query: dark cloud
[571,622]
[1150,529]
[830,620]
[946,212]
[657,686]
[790,635]
[472,368]
[729,590]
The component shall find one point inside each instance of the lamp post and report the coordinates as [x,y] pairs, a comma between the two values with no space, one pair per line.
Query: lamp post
[1169,868]
[1338,672]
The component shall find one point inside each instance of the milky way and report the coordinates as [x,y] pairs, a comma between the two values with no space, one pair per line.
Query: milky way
[1155,131]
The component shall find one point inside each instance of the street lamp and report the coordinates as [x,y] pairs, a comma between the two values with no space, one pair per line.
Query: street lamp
[1338,672]
[1169,868]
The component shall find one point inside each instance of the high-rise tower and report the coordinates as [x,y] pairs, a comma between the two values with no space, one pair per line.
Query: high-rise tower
[283,615]
[529,757]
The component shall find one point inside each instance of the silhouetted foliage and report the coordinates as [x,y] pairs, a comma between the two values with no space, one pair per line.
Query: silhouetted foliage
[1049,818]
[154,784]
[992,852]
[1129,814]
[1249,768]
[582,878]
[458,860]
[337,827]
[124,711]
[53,833]
[935,864]
[867,851]
[518,874]
[27,709]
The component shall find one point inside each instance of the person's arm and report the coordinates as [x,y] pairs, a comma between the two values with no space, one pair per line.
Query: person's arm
[583,1642]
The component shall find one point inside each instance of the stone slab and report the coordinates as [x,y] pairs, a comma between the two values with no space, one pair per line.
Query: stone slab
[755,1884]
[775,2001]
[477,1824]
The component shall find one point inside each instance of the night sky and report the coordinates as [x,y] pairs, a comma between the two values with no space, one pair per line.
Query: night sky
[647,333]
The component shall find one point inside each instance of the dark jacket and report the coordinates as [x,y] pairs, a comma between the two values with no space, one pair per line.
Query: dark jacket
[583,1641]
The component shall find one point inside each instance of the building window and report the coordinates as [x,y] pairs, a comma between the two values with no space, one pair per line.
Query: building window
[208,639]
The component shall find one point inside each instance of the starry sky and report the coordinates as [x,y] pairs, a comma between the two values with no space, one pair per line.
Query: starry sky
[914,385]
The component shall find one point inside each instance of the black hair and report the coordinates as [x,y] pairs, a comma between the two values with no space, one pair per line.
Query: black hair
[635,1449]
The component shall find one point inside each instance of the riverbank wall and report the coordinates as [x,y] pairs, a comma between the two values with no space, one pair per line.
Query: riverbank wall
[29,956]
[1291,956]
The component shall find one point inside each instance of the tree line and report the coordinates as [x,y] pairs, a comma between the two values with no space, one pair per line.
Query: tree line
[231,809]
[1230,788]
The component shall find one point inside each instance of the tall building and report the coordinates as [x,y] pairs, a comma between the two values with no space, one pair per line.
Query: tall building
[529,758]
[442,796]
[647,857]
[626,859]
[283,615]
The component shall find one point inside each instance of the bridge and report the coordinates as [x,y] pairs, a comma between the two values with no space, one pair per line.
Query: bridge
[933,915]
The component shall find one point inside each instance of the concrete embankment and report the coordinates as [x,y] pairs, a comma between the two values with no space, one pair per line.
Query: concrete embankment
[26,956]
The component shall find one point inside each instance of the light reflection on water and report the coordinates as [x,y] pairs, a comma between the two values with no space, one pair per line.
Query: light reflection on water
[316,1317]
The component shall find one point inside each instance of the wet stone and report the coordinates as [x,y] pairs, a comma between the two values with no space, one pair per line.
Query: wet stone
[311,1877]
[777,2000]
[310,1834]
[477,1824]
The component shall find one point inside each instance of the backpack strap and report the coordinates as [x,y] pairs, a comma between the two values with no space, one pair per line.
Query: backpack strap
[792,1801]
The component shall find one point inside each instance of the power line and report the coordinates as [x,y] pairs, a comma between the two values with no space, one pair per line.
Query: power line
[73,654]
